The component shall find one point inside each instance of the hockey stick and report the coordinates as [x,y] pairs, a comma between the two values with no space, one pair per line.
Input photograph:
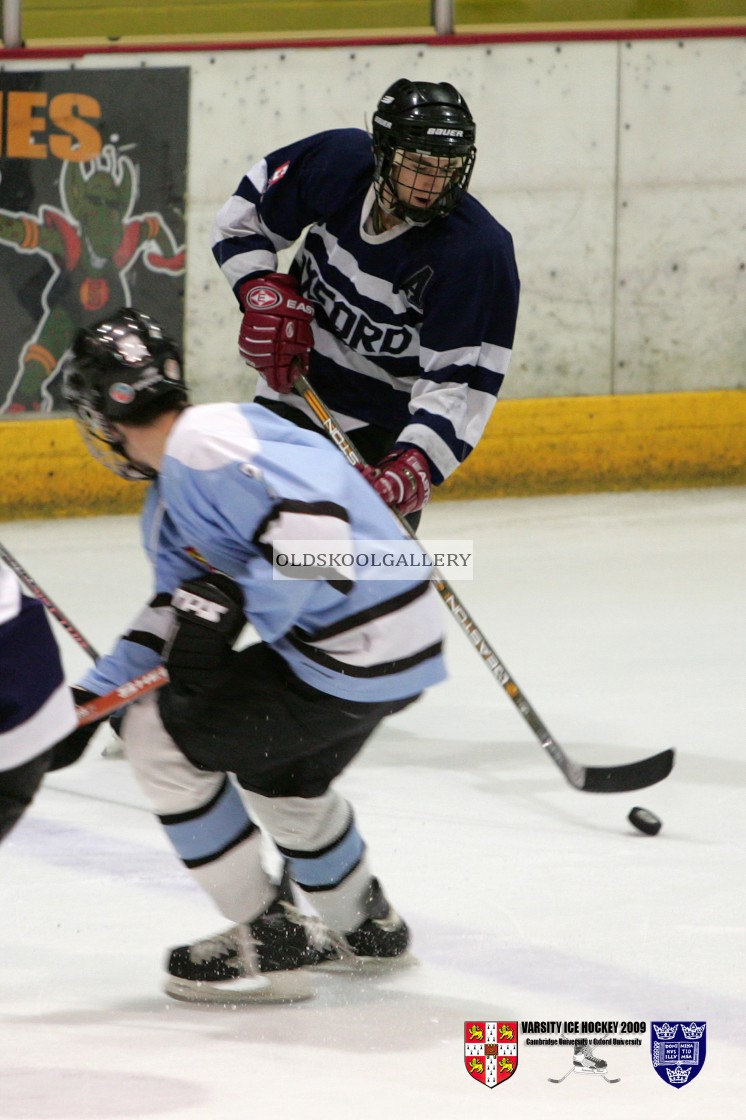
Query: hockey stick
[559,1080]
[102,706]
[51,606]
[592,779]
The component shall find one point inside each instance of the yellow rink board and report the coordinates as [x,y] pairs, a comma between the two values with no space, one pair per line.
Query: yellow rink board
[548,446]
[124,19]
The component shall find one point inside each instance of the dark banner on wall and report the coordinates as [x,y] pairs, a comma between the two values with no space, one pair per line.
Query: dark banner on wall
[92,200]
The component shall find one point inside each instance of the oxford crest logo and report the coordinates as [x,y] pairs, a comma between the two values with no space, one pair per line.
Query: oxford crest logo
[490,1051]
[678,1051]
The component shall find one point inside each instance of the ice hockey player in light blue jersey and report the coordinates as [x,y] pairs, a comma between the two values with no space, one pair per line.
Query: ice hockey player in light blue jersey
[233,487]
[400,305]
[35,704]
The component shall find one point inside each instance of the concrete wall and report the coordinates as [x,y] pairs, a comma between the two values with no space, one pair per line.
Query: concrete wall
[620,169]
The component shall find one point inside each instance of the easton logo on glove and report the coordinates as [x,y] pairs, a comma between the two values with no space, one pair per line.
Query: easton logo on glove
[263,298]
[276,334]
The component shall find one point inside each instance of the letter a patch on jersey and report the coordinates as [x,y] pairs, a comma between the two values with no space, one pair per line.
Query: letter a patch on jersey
[491,1051]
[414,286]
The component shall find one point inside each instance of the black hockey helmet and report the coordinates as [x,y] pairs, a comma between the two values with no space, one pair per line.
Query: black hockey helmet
[124,369]
[422,125]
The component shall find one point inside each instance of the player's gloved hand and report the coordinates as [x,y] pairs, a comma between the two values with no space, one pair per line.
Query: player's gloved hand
[69,749]
[209,618]
[402,479]
[276,335]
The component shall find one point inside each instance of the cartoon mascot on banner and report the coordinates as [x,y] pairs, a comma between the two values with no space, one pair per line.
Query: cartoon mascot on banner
[91,243]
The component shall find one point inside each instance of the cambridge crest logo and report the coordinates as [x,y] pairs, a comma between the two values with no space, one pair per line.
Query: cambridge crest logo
[678,1051]
[491,1051]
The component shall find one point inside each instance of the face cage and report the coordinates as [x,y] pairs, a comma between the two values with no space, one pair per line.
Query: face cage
[105,446]
[385,181]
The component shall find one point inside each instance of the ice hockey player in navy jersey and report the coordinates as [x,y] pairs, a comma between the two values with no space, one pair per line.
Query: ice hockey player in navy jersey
[35,704]
[235,491]
[401,303]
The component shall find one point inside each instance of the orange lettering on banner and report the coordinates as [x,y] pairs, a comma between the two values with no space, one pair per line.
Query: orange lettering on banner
[82,141]
[22,124]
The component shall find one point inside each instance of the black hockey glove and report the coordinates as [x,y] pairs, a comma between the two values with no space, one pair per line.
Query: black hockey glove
[209,618]
[69,749]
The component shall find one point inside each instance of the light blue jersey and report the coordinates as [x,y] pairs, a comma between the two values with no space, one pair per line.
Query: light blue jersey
[235,481]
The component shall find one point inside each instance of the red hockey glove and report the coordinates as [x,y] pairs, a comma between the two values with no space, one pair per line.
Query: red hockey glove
[402,479]
[276,335]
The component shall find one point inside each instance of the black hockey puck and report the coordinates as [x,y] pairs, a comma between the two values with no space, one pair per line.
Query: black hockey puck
[646,821]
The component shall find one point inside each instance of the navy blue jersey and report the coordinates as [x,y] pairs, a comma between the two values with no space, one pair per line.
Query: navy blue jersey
[413,327]
[235,481]
[36,707]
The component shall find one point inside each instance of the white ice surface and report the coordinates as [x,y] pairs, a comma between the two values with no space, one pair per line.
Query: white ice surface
[623,617]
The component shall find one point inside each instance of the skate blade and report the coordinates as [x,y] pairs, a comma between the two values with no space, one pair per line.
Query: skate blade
[371,966]
[273,987]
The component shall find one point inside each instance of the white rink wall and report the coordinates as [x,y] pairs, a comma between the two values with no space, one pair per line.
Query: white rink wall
[618,166]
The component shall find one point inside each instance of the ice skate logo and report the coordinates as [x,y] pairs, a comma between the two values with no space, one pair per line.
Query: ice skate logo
[491,1051]
[586,1063]
[678,1051]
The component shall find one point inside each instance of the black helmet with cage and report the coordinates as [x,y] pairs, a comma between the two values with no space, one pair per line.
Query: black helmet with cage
[122,369]
[424,128]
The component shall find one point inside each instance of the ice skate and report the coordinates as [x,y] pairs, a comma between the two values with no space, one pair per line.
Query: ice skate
[585,1061]
[380,942]
[262,961]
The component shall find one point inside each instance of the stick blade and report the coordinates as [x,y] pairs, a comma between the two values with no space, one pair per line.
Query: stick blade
[634,775]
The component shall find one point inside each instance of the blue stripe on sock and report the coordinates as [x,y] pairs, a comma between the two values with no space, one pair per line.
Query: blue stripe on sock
[326,870]
[204,837]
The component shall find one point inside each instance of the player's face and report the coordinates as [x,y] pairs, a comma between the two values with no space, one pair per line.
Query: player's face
[421,179]
[133,445]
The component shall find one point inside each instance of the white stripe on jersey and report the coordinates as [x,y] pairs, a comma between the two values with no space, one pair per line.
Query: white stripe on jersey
[226,438]
[433,446]
[290,525]
[49,723]
[394,636]
[371,287]
[467,409]
[495,358]
[243,265]
[340,353]
[10,595]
